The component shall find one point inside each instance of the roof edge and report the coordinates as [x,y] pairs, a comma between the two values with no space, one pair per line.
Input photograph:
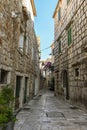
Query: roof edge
[55,9]
[33,7]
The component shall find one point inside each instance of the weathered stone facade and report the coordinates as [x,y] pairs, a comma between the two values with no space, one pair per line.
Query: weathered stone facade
[70,21]
[18,48]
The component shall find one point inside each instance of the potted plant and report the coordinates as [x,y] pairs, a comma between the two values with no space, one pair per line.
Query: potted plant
[7,117]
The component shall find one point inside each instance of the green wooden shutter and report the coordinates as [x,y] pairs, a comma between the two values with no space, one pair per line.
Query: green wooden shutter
[59,46]
[69,35]
[59,14]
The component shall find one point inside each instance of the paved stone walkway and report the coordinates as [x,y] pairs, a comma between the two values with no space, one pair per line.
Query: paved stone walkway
[46,112]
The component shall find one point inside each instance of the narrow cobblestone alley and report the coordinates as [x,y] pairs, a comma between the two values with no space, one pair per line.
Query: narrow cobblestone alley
[46,112]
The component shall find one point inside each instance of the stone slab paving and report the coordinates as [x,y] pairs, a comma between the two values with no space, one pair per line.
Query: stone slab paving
[46,112]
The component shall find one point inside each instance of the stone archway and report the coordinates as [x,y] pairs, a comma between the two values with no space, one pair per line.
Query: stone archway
[65,83]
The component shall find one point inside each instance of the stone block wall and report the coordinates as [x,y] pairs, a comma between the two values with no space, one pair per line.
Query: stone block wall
[16,62]
[72,58]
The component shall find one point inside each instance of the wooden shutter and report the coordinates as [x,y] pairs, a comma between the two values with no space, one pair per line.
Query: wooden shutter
[69,35]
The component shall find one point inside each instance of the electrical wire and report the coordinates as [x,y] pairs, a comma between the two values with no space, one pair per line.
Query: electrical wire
[45,49]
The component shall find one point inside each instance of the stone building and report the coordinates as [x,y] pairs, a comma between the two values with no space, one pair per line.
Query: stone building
[18,48]
[52,53]
[37,66]
[70,50]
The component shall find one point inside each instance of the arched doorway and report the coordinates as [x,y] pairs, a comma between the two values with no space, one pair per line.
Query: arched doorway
[65,83]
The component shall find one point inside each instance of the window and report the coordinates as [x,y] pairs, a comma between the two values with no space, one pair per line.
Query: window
[59,14]
[3,76]
[59,46]
[21,42]
[77,72]
[69,35]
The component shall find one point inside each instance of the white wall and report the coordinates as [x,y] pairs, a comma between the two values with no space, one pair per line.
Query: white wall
[28,5]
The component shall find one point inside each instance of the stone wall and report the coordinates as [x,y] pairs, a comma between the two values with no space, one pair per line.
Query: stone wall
[72,58]
[17,60]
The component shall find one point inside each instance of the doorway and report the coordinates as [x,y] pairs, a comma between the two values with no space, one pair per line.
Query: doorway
[17,93]
[25,90]
[65,83]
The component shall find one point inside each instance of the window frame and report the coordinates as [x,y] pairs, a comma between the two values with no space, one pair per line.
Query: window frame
[27,45]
